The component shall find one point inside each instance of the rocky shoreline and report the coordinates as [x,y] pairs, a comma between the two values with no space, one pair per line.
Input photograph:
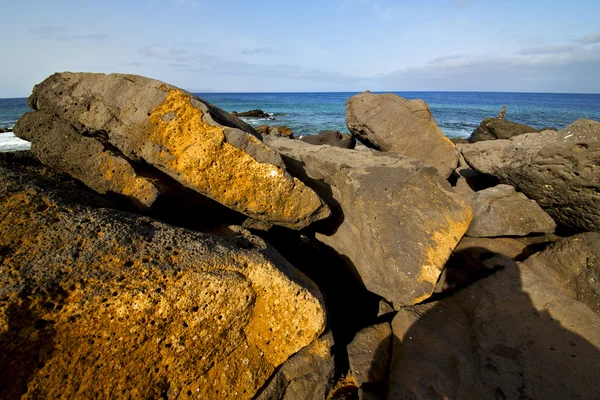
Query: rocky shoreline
[155,246]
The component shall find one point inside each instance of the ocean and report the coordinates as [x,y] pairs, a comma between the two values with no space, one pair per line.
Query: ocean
[457,113]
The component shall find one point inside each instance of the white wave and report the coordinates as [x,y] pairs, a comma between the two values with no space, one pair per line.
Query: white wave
[9,142]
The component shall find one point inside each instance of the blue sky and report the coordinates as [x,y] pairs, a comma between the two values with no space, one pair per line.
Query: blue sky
[326,45]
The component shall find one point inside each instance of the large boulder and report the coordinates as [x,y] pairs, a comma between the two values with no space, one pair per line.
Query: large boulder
[139,137]
[393,124]
[331,138]
[99,303]
[559,170]
[395,220]
[501,211]
[275,130]
[573,263]
[498,128]
[512,335]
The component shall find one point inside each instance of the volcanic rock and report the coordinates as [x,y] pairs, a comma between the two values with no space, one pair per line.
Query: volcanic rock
[276,130]
[395,220]
[331,138]
[252,114]
[137,137]
[559,170]
[99,303]
[393,124]
[498,128]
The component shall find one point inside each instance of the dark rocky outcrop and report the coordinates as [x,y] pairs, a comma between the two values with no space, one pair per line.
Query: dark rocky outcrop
[457,140]
[252,114]
[391,123]
[5,130]
[510,335]
[501,211]
[331,138]
[498,128]
[559,170]
[502,113]
[97,302]
[139,137]
[395,220]
[275,130]
[574,265]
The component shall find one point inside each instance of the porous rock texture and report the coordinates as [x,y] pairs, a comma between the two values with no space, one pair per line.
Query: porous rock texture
[395,220]
[498,128]
[331,138]
[99,303]
[512,335]
[573,263]
[393,124]
[126,134]
[501,211]
[560,170]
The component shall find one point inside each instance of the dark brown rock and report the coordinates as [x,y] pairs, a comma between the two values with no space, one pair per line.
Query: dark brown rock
[331,138]
[393,124]
[275,130]
[559,170]
[498,128]
[100,303]
[252,114]
[369,354]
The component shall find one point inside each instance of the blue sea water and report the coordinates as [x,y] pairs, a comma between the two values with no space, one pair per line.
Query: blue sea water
[457,113]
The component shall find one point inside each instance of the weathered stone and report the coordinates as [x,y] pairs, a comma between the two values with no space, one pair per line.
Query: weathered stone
[369,355]
[511,335]
[573,263]
[384,308]
[395,220]
[276,130]
[502,113]
[498,128]
[559,170]
[252,114]
[393,124]
[306,376]
[331,138]
[125,134]
[99,303]
[457,140]
[501,211]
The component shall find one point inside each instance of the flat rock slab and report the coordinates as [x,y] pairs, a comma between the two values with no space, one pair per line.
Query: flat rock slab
[394,124]
[512,335]
[501,211]
[560,170]
[99,303]
[395,220]
[331,138]
[136,137]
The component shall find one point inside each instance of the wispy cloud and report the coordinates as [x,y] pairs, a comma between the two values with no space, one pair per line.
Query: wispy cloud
[591,38]
[551,49]
[167,53]
[260,50]
[50,32]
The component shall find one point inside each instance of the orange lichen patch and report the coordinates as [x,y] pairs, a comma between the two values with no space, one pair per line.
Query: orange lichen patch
[198,155]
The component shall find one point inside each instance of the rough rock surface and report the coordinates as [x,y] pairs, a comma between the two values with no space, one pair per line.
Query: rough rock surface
[308,375]
[135,136]
[498,128]
[395,220]
[511,335]
[369,356]
[332,138]
[574,264]
[252,114]
[559,170]
[99,303]
[393,124]
[275,130]
[501,211]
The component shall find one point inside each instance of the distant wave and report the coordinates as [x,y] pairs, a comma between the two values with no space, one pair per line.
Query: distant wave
[9,142]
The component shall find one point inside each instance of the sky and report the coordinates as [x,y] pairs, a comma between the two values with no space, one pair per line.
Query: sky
[309,45]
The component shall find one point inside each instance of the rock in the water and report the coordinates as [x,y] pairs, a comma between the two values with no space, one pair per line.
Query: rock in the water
[275,130]
[501,211]
[498,128]
[393,124]
[99,303]
[511,335]
[502,113]
[306,376]
[5,130]
[574,263]
[332,138]
[252,114]
[136,137]
[559,170]
[395,220]
[369,355]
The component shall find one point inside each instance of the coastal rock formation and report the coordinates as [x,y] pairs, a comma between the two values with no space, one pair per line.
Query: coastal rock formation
[574,264]
[395,220]
[501,211]
[99,303]
[502,113]
[508,336]
[276,130]
[331,138]
[137,137]
[252,114]
[498,128]
[393,124]
[308,375]
[559,170]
